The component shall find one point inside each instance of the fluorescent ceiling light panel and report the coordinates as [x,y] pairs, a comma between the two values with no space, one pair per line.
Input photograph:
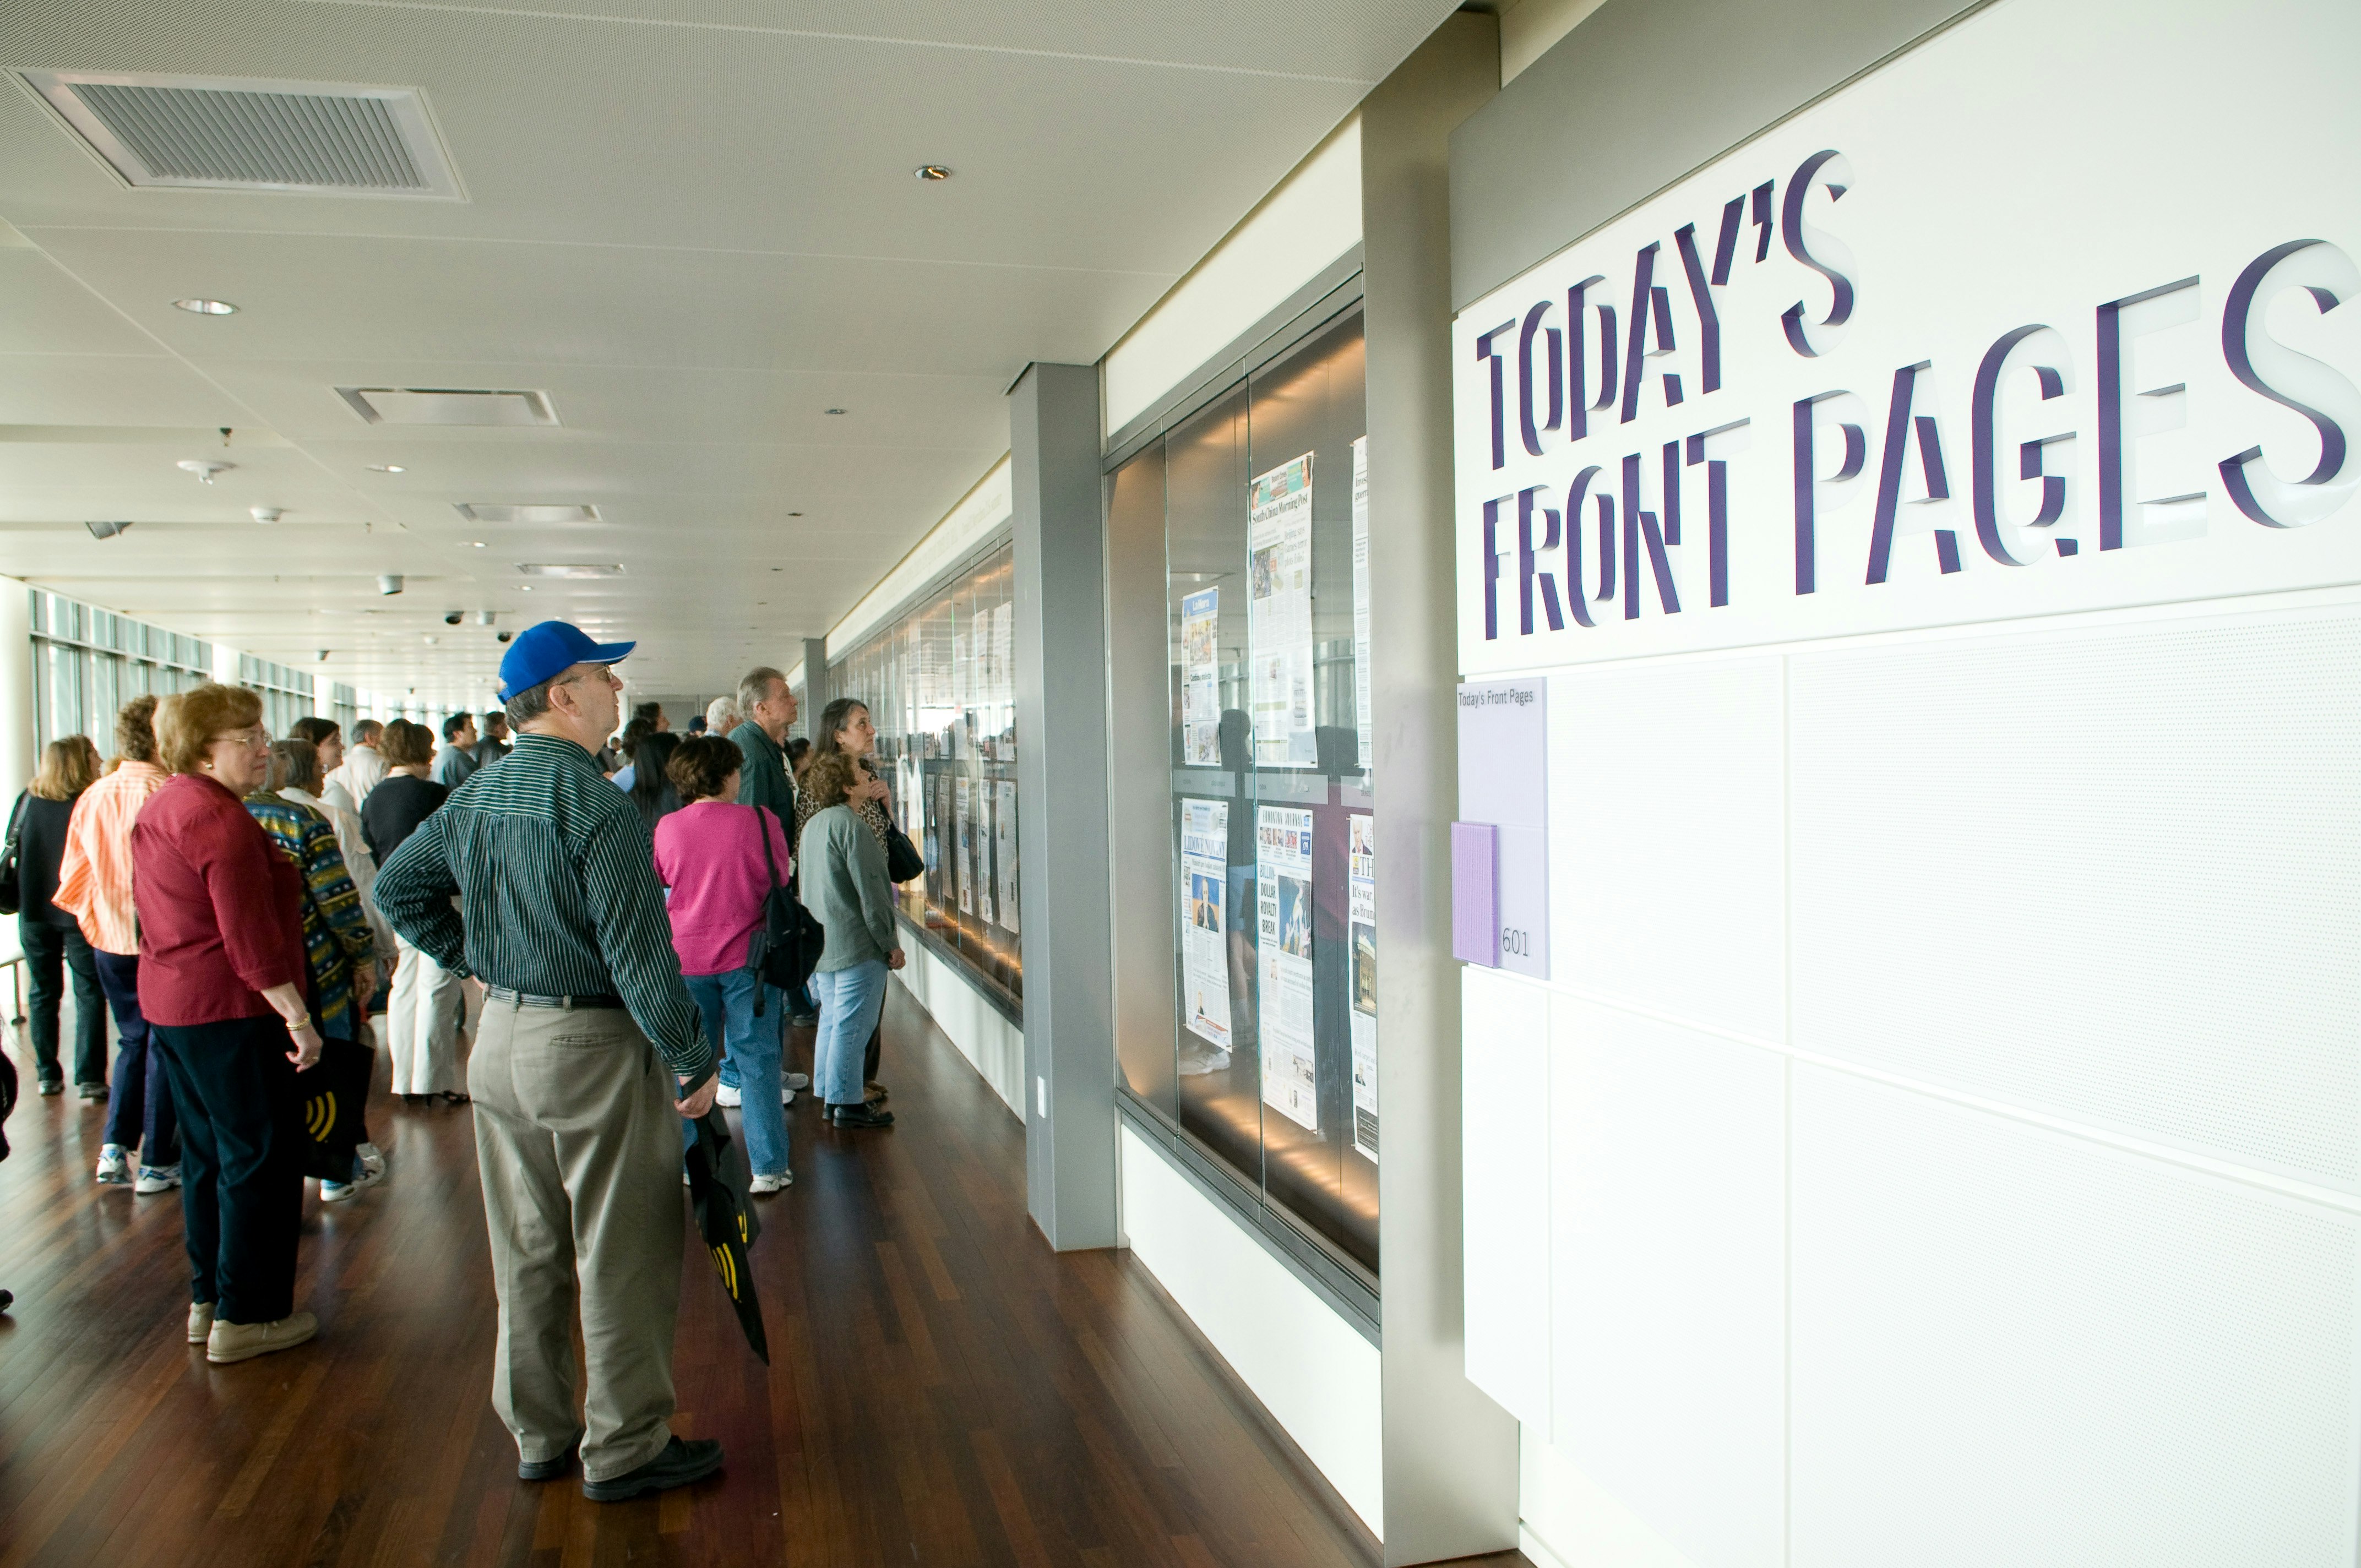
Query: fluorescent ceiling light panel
[568,569]
[485,511]
[226,133]
[447,405]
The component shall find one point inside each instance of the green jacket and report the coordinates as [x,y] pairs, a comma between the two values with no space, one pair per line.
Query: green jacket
[844,886]
[765,779]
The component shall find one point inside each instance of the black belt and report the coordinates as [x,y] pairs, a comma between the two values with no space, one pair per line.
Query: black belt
[525,999]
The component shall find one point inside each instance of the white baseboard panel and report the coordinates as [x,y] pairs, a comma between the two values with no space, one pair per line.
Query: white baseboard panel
[1316,1373]
[984,1034]
[1566,1520]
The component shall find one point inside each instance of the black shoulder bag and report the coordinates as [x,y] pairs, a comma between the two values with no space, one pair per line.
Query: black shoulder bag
[12,863]
[787,947]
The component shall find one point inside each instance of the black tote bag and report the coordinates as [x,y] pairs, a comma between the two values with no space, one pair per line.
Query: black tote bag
[787,947]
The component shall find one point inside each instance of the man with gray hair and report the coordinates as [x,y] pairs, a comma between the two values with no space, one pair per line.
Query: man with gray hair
[589,1034]
[765,707]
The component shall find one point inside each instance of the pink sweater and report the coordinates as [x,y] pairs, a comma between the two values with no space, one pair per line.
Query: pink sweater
[709,856]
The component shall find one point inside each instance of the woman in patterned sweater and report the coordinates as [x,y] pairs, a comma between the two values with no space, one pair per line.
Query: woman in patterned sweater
[339,948]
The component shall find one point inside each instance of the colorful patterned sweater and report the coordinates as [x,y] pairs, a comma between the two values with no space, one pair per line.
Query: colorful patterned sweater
[336,934]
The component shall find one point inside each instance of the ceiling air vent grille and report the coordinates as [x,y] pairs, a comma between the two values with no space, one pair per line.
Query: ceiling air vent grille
[194,133]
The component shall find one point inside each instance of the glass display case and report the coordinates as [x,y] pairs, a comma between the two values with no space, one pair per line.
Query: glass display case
[940,683]
[1271,1065]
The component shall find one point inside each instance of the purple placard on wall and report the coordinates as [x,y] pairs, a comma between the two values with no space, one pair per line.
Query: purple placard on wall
[1504,781]
[1475,893]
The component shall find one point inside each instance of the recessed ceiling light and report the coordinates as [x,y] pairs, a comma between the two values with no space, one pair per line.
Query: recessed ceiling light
[485,511]
[478,543]
[388,468]
[569,569]
[931,173]
[206,307]
[831,410]
[527,588]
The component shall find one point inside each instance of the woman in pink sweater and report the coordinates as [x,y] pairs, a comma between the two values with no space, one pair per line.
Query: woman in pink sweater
[710,855]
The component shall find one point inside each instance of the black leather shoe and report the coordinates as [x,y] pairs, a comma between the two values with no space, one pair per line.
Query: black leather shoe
[548,1469]
[91,1090]
[683,1460]
[863,1116]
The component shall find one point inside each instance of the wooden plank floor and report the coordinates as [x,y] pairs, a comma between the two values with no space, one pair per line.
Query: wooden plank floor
[944,1389]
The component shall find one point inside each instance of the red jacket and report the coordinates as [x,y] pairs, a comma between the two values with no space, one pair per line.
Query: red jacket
[221,909]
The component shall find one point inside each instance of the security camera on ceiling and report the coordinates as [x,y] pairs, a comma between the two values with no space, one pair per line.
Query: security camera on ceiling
[266,514]
[452,618]
[390,584]
[506,635]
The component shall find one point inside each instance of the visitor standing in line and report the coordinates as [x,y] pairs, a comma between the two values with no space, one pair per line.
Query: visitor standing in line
[94,886]
[560,915]
[333,801]
[712,857]
[362,768]
[456,761]
[495,743]
[766,707]
[423,1013]
[339,948]
[845,728]
[844,887]
[52,938]
[221,984]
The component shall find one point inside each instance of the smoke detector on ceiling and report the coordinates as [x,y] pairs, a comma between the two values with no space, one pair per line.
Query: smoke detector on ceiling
[204,468]
[224,133]
[447,405]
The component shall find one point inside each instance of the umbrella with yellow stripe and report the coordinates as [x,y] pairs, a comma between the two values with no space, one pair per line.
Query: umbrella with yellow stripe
[718,1182]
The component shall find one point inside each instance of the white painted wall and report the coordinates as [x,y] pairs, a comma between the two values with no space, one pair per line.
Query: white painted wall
[1316,1375]
[1313,218]
[1531,28]
[1946,1097]
[992,1046]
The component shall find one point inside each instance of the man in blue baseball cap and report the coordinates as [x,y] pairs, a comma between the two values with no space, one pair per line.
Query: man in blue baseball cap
[560,915]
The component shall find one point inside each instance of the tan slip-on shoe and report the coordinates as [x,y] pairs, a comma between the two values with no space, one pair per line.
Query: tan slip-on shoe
[244,1341]
[200,1322]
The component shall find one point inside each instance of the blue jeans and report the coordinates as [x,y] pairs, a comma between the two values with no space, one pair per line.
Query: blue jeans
[139,1104]
[750,1046]
[850,1001]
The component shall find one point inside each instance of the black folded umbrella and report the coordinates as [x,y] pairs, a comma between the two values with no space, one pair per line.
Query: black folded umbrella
[331,1097]
[718,1181]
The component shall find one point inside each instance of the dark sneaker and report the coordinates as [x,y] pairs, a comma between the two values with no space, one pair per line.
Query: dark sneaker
[863,1116]
[682,1461]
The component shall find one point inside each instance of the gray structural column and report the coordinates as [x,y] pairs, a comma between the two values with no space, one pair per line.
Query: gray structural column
[818,693]
[1450,1453]
[1065,891]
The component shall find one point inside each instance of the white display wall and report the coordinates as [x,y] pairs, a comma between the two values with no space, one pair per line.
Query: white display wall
[1936,1138]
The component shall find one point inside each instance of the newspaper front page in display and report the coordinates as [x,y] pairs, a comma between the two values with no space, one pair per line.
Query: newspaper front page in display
[1204,888]
[1283,886]
[1279,605]
[1361,926]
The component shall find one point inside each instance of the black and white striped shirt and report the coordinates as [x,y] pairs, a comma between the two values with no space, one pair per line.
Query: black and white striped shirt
[557,892]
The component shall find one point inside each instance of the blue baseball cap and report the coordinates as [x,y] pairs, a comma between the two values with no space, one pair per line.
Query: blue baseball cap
[551,649]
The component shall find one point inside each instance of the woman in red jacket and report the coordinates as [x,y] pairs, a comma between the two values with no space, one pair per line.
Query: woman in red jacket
[221,984]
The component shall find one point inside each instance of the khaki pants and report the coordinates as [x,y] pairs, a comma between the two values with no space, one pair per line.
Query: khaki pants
[580,1145]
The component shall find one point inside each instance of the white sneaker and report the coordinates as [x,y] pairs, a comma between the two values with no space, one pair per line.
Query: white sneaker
[762,1185]
[798,1081]
[227,1342]
[200,1322]
[725,1095]
[337,1192]
[370,1153]
[155,1178]
[114,1166]
[786,1096]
